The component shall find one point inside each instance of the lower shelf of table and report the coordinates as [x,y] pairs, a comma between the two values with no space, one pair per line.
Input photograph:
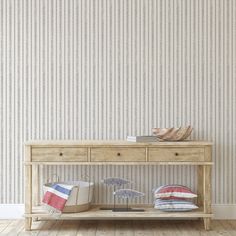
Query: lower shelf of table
[96,214]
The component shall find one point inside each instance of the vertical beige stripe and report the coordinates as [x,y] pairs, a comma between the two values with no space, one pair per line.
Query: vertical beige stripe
[85,69]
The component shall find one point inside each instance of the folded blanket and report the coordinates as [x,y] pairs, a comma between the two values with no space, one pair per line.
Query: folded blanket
[56,197]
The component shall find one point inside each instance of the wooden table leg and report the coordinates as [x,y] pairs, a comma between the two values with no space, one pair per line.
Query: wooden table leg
[200,186]
[28,223]
[207,223]
[35,175]
[28,189]
[207,195]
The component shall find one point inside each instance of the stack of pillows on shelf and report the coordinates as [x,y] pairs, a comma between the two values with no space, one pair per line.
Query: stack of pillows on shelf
[174,198]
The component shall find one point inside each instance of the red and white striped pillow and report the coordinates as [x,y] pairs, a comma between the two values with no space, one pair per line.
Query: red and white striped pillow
[174,191]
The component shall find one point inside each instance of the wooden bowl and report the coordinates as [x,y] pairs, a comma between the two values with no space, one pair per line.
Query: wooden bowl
[172,134]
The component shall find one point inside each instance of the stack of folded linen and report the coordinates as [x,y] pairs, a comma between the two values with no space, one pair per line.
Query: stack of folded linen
[174,198]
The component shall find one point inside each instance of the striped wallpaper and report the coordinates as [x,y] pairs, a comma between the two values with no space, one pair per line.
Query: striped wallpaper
[104,69]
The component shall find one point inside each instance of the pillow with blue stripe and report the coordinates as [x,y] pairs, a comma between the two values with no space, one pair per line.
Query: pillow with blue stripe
[174,205]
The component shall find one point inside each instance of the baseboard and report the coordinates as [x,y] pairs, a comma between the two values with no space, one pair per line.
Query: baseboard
[16,211]
[224,211]
[11,211]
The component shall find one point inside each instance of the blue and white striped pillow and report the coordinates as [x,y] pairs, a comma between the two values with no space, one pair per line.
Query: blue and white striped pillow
[174,205]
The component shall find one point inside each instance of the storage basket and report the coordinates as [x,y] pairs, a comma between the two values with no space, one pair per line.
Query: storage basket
[80,198]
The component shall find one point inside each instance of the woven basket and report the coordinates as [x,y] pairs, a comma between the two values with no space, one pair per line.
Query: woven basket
[80,198]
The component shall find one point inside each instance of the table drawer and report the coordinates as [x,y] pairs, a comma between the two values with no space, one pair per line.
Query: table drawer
[176,154]
[117,154]
[59,154]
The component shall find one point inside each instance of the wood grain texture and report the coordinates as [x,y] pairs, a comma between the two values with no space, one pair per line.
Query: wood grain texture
[118,154]
[200,186]
[108,143]
[176,154]
[96,214]
[207,190]
[128,163]
[123,154]
[36,185]
[119,228]
[59,154]
[28,188]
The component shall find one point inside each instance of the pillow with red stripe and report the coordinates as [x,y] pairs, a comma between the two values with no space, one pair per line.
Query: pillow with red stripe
[173,191]
[174,198]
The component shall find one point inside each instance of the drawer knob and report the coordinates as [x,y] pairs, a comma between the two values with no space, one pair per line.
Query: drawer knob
[118,154]
[61,154]
[176,153]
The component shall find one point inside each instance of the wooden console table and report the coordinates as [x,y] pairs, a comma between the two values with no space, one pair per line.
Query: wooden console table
[194,153]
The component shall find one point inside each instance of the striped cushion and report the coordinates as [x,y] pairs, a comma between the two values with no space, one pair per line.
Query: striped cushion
[176,191]
[174,205]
